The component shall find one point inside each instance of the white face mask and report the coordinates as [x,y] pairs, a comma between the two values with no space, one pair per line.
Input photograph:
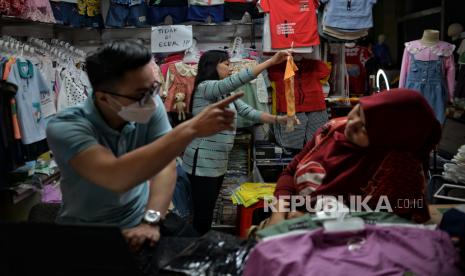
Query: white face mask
[136,113]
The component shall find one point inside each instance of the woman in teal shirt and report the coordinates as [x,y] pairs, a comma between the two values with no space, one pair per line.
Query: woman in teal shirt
[205,159]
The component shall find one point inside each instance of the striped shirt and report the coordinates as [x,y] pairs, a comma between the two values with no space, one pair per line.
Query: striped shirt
[212,152]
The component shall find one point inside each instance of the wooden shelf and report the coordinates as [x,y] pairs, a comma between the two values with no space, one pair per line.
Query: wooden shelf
[204,32]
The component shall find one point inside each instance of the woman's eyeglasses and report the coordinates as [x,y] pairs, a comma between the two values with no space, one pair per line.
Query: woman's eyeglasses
[142,98]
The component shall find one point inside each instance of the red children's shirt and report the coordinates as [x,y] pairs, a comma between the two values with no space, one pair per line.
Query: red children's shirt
[356,59]
[292,21]
[307,87]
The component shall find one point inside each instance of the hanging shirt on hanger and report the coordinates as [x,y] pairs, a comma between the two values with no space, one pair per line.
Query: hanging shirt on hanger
[48,102]
[32,87]
[266,39]
[173,58]
[348,14]
[38,10]
[258,84]
[356,57]
[292,22]
[73,90]
[255,92]
[180,78]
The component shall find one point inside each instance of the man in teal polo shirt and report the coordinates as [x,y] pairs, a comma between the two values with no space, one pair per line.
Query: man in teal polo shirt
[116,151]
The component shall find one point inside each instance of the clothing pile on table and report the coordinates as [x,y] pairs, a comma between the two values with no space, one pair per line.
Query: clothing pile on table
[455,171]
[383,244]
[373,250]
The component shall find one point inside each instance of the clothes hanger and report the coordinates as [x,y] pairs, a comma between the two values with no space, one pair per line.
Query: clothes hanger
[236,50]
[334,212]
[192,55]
[352,224]
[350,44]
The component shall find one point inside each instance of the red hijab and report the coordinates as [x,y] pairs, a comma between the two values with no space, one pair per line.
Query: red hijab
[402,130]
[401,119]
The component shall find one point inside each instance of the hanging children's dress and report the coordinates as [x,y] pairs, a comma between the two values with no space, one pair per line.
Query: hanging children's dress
[428,70]
[180,78]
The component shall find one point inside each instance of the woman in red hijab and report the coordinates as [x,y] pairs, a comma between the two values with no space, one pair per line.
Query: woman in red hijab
[379,149]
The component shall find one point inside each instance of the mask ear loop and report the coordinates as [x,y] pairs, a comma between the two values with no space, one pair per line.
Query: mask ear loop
[114,102]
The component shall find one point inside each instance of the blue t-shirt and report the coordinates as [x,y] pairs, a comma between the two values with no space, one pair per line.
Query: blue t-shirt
[357,16]
[76,129]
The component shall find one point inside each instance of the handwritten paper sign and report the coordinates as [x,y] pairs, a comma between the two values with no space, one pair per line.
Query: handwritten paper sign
[171,38]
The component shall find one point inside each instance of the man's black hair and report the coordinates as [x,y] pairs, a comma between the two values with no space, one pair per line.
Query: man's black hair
[110,62]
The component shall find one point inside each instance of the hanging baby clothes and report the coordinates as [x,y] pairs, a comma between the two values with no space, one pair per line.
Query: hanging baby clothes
[38,10]
[255,92]
[45,65]
[74,89]
[289,93]
[356,58]
[12,7]
[346,19]
[180,78]
[32,87]
[292,22]
[430,71]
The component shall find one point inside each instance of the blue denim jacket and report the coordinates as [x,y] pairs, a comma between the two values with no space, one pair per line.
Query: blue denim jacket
[348,14]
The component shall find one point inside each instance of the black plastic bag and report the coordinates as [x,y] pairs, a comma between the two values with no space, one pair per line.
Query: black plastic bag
[214,253]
